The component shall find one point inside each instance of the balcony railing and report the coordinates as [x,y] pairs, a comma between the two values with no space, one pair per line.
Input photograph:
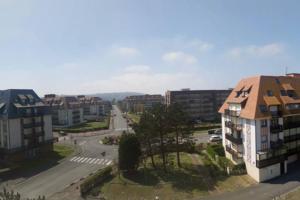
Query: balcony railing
[271,157]
[277,144]
[276,128]
[33,124]
[235,140]
[289,125]
[235,155]
[276,114]
[291,138]
[234,126]
[232,113]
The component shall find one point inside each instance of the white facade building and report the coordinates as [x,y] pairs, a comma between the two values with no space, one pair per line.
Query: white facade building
[261,125]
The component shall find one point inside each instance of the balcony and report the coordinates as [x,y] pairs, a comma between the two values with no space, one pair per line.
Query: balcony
[237,156]
[289,125]
[236,140]
[33,124]
[232,113]
[291,138]
[236,127]
[276,114]
[276,128]
[271,157]
[276,145]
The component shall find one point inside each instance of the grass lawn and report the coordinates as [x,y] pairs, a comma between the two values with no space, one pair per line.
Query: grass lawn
[196,178]
[59,152]
[88,126]
[134,117]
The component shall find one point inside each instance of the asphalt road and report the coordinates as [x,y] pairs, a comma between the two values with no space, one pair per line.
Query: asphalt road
[71,169]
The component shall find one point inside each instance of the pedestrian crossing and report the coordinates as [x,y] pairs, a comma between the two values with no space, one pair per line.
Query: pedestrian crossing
[92,161]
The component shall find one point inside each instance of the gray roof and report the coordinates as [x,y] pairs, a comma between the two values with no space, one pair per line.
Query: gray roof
[13,99]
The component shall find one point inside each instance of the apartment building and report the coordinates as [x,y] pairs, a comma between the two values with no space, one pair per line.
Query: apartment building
[93,107]
[202,105]
[66,111]
[261,124]
[25,125]
[139,103]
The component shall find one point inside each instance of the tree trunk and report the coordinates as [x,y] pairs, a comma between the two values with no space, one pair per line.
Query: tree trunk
[177,148]
[151,154]
[162,150]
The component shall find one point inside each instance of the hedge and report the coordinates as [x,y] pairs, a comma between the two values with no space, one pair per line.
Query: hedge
[95,180]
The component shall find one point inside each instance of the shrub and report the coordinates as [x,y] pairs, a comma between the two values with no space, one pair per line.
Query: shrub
[216,149]
[95,180]
[129,152]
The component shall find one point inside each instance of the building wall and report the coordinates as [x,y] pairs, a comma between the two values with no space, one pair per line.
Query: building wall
[15,137]
[48,127]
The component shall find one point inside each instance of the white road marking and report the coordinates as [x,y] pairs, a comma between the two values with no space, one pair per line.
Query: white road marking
[88,160]
[92,161]
[80,159]
[109,162]
[84,160]
[73,158]
[99,161]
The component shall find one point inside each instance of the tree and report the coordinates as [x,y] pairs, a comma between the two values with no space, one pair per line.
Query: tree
[180,124]
[129,152]
[145,133]
[160,126]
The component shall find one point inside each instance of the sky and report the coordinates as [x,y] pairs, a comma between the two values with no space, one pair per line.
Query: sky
[97,46]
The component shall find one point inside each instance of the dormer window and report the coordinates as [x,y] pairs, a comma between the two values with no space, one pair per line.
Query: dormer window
[270,93]
[283,93]
[263,108]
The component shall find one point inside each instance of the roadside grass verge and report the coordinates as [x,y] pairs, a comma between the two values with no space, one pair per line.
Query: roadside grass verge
[197,177]
[134,117]
[87,126]
[59,152]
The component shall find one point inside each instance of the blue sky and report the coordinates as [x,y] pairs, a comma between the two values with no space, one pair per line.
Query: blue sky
[92,46]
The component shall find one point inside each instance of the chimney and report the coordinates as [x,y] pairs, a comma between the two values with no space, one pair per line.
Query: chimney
[50,95]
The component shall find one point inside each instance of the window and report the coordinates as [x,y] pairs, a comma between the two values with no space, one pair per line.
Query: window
[264,138]
[270,93]
[263,108]
[277,81]
[264,123]
[283,93]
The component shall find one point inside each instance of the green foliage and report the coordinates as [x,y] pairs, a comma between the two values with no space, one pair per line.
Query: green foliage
[216,149]
[129,152]
[95,180]
[6,195]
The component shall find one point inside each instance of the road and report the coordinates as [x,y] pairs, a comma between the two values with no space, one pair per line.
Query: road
[75,167]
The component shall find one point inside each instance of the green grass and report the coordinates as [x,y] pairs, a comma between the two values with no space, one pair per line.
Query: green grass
[192,181]
[294,195]
[88,126]
[59,152]
[134,117]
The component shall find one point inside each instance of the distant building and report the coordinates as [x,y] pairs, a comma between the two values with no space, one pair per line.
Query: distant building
[66,111]
[139,103]
[200,105]
[261,124]
[25,125]
[93,107]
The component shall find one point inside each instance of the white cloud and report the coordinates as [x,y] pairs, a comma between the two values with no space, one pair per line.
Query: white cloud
[199,45]
[254,50]
[143,81]
[179,57]
[138,68]
[127,51]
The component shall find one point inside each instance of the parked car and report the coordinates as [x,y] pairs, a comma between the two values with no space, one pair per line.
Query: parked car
[218,131]
[212,131]
[215,138]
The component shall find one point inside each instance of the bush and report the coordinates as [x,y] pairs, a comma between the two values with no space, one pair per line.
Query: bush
[95,180]
[129,152]
[216,149]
